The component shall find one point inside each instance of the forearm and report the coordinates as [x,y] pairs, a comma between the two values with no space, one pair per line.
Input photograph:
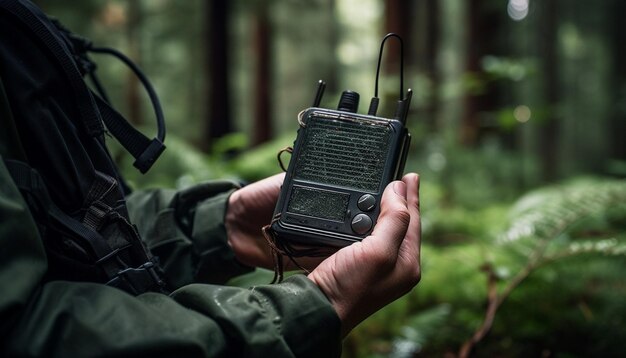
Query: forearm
[80,319]
[62,318]
[186,231]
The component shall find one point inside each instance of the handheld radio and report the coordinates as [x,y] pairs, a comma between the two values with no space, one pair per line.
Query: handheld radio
[340,165]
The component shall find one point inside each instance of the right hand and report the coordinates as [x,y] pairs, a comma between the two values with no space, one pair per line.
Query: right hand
[365,276]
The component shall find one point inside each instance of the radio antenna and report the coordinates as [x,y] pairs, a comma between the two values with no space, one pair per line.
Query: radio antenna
[375,100]
[321,85]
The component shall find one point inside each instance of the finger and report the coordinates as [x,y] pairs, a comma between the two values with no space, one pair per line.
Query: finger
[393,220]
[263,192]
[270,184]
[413,234]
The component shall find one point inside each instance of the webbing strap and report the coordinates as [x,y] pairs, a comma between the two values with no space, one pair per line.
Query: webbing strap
[138,280]
[132,280]
[144,150]
[84,101]
[93,110]
[100,199]
[10,143]
[28,180]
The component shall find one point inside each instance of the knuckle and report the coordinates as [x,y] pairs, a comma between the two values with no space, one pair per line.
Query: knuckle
[399,216]
[416,276]
[383,260]
[403,216]
[397,209]
[412,279]
[413,276]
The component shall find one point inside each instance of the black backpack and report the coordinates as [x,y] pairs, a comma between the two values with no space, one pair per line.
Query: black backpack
[55,151]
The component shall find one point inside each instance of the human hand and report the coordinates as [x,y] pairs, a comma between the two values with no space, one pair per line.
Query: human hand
[249,209]
[365,276]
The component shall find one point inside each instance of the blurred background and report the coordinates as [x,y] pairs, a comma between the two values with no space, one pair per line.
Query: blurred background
[518,122]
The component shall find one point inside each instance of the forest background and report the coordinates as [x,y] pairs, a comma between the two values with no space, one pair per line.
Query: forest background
[518,122]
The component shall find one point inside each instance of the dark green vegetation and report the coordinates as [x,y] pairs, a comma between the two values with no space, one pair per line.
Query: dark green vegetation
[518,122]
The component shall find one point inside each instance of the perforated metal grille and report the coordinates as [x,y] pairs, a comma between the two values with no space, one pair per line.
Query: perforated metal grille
[318,203]
[347,153]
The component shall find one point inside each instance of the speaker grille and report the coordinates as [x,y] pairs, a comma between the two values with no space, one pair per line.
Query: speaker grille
[344,152]
[318,203]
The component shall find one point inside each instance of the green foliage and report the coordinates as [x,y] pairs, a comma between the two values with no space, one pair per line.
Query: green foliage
[570,237]
[179,166]
[565,243]
[508,68]
[420,329]
[537,260]
[558,217]
[262,161]
[472,178]
[572,233]
[182,165]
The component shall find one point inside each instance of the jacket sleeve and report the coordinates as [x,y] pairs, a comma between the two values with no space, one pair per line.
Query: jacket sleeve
[189,249]
[62,318]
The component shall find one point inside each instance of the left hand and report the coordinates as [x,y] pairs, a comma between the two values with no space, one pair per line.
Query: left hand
[249,209]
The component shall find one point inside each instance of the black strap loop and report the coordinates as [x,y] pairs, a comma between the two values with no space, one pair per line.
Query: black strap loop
[144,150]
[156,104]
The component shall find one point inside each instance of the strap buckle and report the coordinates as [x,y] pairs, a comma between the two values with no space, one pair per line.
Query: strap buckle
[138,280]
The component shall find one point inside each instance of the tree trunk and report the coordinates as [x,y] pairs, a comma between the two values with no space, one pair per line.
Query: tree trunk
[218,121]
[472,102]
[262,129]
[429,54]
[482,40]
[397,19]
[618,114]
[549,131]
[133,35]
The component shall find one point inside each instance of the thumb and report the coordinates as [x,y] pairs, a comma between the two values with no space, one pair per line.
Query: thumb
[394,216]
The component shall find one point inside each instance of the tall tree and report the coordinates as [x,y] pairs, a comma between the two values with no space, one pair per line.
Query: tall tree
[133,36]
[618,114]
[398,16]
[331,77]
[262,34]
[549,132]
[451,47]
[483,17]
[428,12]
[218,121]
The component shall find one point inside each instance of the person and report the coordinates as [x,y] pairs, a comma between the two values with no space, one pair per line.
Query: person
[202,236]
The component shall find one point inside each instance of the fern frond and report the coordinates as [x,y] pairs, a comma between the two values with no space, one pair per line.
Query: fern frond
[545,213]
[420,329]
[609,247]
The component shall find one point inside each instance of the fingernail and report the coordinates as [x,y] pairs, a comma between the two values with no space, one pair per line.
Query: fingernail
[400,188]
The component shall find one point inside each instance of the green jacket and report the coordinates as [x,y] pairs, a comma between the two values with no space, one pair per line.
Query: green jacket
[71,319]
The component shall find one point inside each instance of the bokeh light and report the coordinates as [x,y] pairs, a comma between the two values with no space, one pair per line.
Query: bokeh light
[522,113]
[517,9]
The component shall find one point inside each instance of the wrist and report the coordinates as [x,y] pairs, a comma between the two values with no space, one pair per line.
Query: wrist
[231,218]
[244,237]
[338,302]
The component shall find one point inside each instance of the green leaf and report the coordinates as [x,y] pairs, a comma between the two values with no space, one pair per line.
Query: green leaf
[420,328]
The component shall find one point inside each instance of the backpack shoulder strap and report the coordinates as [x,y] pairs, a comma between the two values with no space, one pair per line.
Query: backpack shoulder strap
[144,150]
[133,280]
[10,143]
[70,50]
[29,16]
